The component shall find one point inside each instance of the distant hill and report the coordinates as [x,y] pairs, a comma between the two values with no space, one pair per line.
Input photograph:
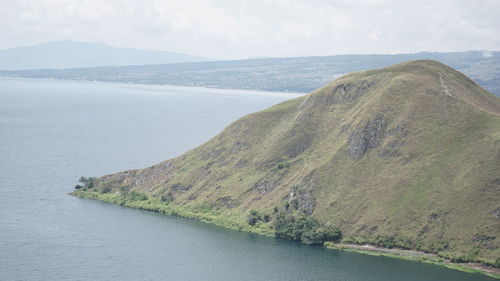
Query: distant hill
[72,54]
[300,74]
[405,156]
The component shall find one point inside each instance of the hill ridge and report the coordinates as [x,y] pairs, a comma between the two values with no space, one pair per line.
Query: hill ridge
[385,155]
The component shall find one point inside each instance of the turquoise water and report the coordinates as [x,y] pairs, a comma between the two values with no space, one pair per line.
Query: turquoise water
[52,132]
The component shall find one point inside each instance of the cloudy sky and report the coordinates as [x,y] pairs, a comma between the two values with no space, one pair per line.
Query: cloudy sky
[257,28]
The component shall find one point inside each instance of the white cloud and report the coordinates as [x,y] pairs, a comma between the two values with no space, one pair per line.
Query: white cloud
[236,29]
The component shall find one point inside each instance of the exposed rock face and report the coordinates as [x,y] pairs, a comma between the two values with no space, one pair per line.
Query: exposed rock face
[496,213]
[264,186]
[366,137]
[341,94]
[237,146]
[302,199]
[299,145]
[349,92]
[177,187]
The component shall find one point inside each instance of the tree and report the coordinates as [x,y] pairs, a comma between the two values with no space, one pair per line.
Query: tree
[332,233]
[253,217]
[86,182]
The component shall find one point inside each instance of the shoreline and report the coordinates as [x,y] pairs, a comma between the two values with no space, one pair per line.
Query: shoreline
[232,223]
[210,90]
[416,256]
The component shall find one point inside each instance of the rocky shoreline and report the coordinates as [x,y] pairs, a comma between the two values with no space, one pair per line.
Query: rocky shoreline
[416,256]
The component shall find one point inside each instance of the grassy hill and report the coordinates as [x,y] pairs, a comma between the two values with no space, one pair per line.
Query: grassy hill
[404,156]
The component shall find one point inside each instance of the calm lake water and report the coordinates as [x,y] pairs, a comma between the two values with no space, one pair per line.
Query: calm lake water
[53,132]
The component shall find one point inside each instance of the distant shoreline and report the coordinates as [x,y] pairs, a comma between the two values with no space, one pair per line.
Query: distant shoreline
[212,90]
[292,74]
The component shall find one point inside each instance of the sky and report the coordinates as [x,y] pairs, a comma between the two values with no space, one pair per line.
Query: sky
[233,29]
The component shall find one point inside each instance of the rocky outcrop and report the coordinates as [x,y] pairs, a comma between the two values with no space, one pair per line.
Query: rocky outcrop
[496,213]
[349,92]
[302,199]
[366,137]
[264,186]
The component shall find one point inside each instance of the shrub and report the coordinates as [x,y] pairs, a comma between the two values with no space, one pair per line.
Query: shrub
[282,165]
[287,205]
[305,229]
[291,227]
[90,182]
[135,195]
[266,218]
[107,189]
[312,237]
[124,190]
[83,180]
[332,233]
[253,217]
[167,198]
[86,183]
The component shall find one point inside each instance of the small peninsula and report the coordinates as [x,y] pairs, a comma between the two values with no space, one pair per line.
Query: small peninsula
[403,157]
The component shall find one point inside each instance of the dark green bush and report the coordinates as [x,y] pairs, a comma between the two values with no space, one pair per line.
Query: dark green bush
[305,229]
[253,217]
[332,233]
[282,165]
[135,195]
[287,205]
[87,183]
[266,218]
[312,237]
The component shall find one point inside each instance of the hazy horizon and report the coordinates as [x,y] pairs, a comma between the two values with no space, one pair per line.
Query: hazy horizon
[255,29]
[485,51]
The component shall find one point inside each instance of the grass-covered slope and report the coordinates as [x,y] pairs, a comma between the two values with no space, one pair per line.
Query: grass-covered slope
[405,156]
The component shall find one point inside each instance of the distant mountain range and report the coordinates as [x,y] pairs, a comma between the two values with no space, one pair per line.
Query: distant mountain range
[299,74]
[72,54]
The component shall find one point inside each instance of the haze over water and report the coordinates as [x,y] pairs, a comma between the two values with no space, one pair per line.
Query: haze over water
[53,132]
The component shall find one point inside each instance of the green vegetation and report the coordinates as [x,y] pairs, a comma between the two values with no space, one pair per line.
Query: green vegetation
[409,255]
[199,212]
[303,229]
[88,183]
[254,217]
[388,157]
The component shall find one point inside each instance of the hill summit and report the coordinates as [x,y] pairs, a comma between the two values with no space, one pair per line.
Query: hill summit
[404,156]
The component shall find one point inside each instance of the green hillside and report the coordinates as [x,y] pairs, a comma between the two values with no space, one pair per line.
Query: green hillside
[407,156]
